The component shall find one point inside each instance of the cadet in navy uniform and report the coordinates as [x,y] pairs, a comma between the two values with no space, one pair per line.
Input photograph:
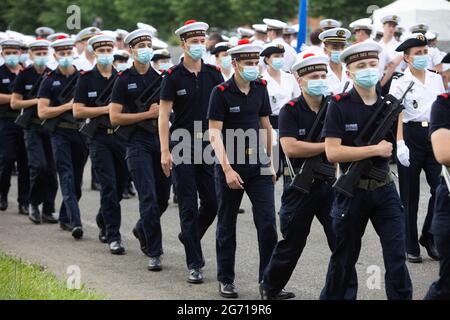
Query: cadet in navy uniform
[298,209]
[142,152]
[242,103]
[43,181]
[440,226]
[107,151]
[186,89]
[414,150]
[69,146]
[12,145]
[373,200]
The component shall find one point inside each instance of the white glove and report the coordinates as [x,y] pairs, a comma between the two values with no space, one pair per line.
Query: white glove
[403,153]
[274,138]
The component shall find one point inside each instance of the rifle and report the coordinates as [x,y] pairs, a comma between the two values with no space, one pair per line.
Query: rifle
[23,120]
[143,102]
[384,117]
[64,96]
[315,167]
[90,126]
[446,175]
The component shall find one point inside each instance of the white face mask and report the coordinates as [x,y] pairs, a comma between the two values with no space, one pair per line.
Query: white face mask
[122,66]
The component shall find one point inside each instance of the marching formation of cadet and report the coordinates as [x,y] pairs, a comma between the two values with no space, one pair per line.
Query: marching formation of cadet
[340,111]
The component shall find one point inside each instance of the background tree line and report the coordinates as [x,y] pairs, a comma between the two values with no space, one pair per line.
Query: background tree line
[25,15]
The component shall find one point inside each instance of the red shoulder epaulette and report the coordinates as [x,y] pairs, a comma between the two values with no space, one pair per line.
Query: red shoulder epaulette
[262,82]
[444,95]
[222,87]
[292,103]
[83,72]
[339,97]
[49,73]
[119,74]
[170,70]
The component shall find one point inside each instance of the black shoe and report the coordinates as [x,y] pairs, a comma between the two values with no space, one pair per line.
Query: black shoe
[3,203]
[65,226]
[77,233]
[227,290]
[427,243]
[137,232]
[241,211]
[24,210]
[102,236]
[180,238]
[49,218]
[282,295]
[413,258]
[95,186]
[195,276]
[35,214]
[154,264]
[116,247]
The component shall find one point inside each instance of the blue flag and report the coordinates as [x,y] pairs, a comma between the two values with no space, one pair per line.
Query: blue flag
[302,23]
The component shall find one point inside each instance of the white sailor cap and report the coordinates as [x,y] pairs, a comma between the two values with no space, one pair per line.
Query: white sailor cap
[419,28]
[191,29]
[11,44]
[326,24]
[261,28]
[362,24]
[430,35]
[360,51]
[63,44]
[390,18]
[58,35]
[148,27]
[273,24]
[335,35]
[309,62]
[289,30]
[39,44]
[221,47]
[159,44]
[161,54]
[137,36]
[101,40]
[245,32]
[120,33]
[44,31]
[245,51]
[225,38]
[87,33]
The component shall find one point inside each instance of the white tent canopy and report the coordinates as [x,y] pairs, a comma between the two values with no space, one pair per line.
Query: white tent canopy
[435,13]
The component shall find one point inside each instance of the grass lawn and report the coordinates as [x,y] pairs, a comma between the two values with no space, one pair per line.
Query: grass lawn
[23,281]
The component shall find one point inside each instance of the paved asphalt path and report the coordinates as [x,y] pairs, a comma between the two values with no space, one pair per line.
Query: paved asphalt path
[126,277]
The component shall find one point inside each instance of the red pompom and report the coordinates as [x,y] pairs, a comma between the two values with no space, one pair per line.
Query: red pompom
[308,55]
[190,22]
[40,38]
[243,41]
[61,37]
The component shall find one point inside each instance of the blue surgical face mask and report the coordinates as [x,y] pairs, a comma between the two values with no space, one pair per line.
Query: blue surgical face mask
[420,62]
[278,63]
[12,60]
[105,59]
[196,51]
[367,78]
[249,73]
[317,87]
[24,57]
[225,62]
[40,61]
[144,55]
[65,62]
[121,67]
[165,66]
[335,57]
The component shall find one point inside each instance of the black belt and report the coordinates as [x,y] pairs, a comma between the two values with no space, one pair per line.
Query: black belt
[108,131]
[416,124]
[68,125]
[9,115]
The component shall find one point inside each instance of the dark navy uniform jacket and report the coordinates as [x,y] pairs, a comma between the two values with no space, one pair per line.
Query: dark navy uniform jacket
[190,94]
[236,110]
[296,120]
[52,85]
[25,81]
[347,115]
[440,119]
[7,79]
